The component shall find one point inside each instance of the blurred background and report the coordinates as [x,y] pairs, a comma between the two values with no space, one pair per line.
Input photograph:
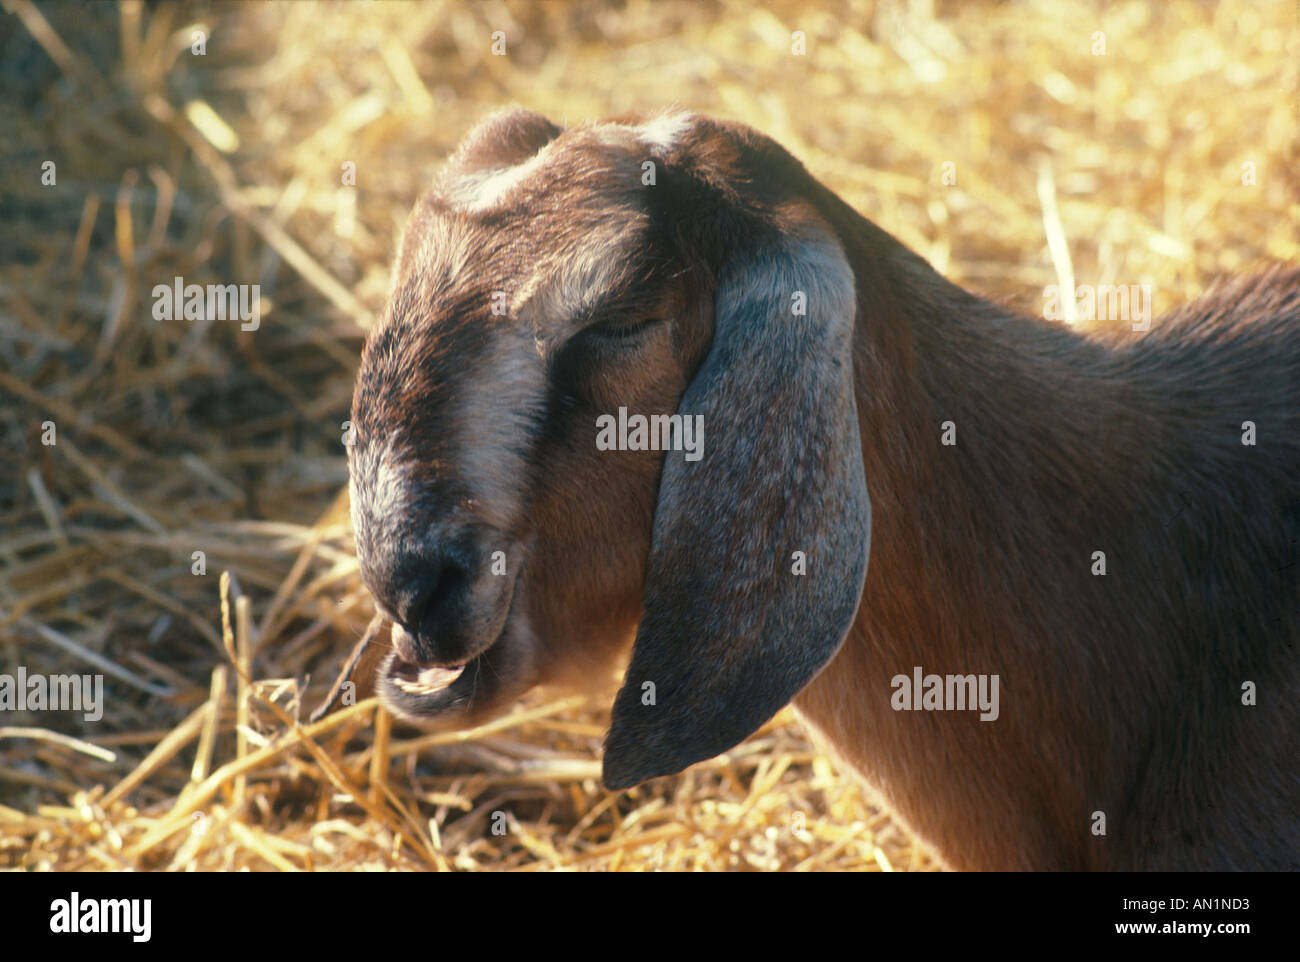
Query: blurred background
[183,531]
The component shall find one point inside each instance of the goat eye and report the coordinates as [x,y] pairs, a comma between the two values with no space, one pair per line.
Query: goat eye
[585,362]
[619,330]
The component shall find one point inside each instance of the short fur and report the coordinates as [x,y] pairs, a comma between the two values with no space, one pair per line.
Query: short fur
[1121,694]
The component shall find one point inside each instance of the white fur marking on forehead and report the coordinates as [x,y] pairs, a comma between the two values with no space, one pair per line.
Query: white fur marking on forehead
[578,280]
[481,190]
[661,133]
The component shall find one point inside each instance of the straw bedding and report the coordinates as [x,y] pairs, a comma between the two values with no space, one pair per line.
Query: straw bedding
[1167,159]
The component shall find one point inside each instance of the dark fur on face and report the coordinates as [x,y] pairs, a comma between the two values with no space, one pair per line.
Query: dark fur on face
[497,536]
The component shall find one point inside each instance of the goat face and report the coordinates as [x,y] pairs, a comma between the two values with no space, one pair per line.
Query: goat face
[547,280]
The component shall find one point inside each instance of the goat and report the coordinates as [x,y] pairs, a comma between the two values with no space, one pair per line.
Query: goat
[1102,534]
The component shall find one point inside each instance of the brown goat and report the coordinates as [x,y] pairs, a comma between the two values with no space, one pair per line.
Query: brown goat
[688,266]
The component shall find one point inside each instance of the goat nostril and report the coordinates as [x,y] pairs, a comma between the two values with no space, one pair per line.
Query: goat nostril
[425,611]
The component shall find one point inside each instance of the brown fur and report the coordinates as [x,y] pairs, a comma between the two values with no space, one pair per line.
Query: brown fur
[1120,694]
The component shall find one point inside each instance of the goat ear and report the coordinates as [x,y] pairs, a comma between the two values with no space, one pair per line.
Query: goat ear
[730,632]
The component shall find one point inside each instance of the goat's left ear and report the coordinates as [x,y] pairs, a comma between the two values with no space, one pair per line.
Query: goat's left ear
[759,547]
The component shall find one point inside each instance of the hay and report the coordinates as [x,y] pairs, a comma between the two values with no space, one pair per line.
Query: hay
[178,437]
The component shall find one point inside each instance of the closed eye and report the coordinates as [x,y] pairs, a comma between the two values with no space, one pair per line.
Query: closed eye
[615,331]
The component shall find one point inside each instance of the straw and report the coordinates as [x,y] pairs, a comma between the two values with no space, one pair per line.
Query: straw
[189,522]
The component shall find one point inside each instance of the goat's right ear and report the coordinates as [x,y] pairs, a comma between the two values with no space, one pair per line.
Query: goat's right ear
[759,547]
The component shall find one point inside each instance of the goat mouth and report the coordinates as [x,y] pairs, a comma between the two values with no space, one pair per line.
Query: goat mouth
[455,693]
[424,693]
[423,680]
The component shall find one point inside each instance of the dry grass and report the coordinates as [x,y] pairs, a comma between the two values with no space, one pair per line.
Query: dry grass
[176,436]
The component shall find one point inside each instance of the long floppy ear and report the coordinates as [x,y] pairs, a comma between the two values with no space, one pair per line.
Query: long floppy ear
[730,631]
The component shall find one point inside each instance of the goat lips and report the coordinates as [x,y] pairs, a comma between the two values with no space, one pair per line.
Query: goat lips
[416,680]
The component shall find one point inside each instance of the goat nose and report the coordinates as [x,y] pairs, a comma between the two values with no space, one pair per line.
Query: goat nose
[433,597]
